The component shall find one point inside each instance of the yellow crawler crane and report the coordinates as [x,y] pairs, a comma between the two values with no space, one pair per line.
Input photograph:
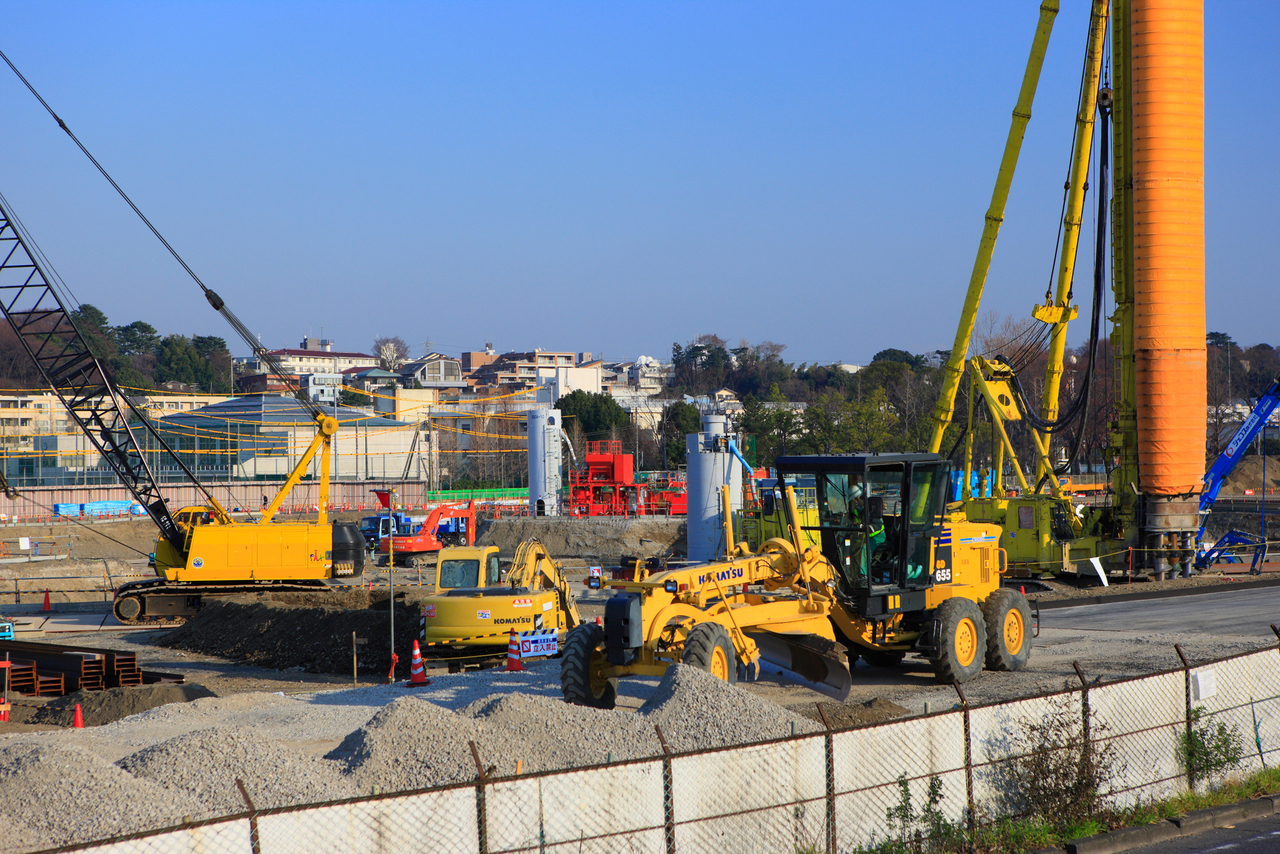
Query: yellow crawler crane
[471,609]
[893,573]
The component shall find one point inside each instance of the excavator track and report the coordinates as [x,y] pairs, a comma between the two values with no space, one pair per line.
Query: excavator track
[165,603]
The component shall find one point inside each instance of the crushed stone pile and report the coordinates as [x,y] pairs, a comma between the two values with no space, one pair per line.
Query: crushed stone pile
[63,793]
[307,631]
[274,775]
[547,733]
[696,710]
[179,761]
[104,707]
[409,744]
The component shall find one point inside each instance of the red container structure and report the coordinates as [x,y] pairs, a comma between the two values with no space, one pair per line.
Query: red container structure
[606,486]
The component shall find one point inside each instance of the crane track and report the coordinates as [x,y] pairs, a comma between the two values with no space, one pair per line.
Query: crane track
[172,603]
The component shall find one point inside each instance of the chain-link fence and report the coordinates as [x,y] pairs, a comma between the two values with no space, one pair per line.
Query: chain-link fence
[1143,738]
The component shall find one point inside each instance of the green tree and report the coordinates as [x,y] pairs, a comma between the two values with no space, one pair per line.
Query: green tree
[895,355]
[137,339]
[598,415]
[679,419]
[177,360]
[96,329]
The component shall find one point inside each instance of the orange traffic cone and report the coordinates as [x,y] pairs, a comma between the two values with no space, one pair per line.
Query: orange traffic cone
[513,654]
[417,673]
[78,723]
[47,606]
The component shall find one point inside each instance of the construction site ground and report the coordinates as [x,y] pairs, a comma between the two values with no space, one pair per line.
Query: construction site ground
[269,689]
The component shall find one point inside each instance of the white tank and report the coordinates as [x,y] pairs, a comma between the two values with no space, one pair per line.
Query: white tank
[544,462]
[710,466]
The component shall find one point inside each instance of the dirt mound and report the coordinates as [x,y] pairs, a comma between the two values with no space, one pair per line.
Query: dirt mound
[1248,475]
[696,710]
[873,711]
[104,707]
[604,539]
[308,631]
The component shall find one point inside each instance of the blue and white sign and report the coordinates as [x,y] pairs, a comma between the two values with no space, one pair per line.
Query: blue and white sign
[539,643]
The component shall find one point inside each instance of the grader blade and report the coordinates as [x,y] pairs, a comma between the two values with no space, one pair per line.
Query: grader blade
[808,660]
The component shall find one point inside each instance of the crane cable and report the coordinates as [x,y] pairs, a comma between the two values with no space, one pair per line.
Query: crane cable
[209,294]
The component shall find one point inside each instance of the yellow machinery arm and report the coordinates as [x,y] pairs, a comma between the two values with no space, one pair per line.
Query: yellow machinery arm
[535,569]
[991,229]
[1058,312]
[326,427]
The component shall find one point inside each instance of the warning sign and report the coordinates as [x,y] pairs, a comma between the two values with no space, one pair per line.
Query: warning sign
[429,609]
[539,643]
[594,571]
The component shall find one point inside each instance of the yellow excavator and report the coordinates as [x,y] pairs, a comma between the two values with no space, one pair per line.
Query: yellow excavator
[472,610]
[895,572]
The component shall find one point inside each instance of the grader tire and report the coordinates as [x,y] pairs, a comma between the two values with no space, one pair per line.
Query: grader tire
[1008,620]
[584,655]
[962,641]
[709,647]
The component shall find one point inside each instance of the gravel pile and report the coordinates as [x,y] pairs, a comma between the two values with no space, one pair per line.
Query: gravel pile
[63,793]
[410,744]
[274,775]
[696,710]
[548,734]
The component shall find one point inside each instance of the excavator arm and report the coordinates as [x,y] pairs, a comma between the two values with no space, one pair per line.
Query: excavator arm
[533,568]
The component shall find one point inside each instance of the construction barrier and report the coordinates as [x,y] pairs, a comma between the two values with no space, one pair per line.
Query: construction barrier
[834,790]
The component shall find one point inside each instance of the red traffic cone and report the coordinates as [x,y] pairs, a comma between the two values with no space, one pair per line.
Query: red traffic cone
[47,606]
[1022,588]
[78,723]
[513,654]
[599,622]
[417,672]
[391,674]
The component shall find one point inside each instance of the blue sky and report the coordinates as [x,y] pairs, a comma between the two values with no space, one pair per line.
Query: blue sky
[609,177]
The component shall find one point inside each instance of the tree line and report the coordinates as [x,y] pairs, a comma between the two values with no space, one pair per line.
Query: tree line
[134,353]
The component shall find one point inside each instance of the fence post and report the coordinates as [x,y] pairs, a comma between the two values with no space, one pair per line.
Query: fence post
[831,780]
[482,820]
[255,843]
[1186,684]
[668,795]
[968,760]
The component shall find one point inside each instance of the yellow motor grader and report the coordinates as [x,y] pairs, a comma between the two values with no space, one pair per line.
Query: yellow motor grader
[895,571]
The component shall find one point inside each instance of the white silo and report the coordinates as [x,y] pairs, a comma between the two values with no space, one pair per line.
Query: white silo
[710,466]
[544,462]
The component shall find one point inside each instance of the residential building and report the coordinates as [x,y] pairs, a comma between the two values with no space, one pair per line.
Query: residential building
[434,371]
[316,355]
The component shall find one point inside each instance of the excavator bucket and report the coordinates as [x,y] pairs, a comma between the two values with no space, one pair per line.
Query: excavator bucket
[806,659]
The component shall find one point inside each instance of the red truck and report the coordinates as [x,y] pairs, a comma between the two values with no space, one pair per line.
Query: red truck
[447,525]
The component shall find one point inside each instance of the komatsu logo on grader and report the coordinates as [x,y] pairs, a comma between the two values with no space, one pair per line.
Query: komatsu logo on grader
[724,575]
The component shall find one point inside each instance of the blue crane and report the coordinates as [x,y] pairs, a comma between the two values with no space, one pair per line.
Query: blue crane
[1223,466]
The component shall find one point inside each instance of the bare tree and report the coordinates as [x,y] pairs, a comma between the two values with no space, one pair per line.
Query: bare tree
[391,351]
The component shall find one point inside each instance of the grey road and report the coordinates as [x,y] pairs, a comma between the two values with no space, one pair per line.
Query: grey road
[1238,613]
[1259,836]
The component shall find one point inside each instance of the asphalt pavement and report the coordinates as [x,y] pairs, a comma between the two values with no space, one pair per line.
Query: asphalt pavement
[1258,836]
[1239,613]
